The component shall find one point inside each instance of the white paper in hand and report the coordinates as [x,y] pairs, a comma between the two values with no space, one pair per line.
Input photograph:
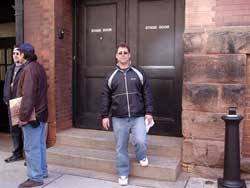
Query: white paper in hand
[149,125]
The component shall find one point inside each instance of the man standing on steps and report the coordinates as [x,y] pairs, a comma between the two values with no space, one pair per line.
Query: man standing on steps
[10,91]
[128,96]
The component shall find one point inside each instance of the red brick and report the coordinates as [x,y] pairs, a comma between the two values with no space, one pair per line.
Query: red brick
[42,22]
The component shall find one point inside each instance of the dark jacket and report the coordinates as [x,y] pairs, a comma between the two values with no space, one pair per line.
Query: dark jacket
[32,86]
[7,92]
[127,94]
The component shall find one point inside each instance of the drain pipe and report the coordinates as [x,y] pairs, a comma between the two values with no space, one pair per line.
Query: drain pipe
[19,19]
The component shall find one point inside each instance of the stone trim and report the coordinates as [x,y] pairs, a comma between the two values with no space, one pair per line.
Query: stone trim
[227,40]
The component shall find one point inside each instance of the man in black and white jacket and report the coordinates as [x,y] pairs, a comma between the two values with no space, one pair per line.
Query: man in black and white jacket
[128,98]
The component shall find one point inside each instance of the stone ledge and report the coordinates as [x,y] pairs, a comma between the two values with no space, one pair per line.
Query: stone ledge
[208,153]
[228,40]
[229,68]
[245,165]
[213,97]
[203,125]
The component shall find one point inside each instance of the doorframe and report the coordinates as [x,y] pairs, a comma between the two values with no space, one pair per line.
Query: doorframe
[179,46]
[74,60]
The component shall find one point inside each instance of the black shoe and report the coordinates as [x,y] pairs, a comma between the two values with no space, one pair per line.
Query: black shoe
[13,158]
[30,183]
[25,164]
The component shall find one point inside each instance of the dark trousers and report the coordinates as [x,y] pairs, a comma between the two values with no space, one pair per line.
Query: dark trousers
[17,139]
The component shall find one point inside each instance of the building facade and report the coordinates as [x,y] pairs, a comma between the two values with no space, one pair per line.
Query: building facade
[196,53]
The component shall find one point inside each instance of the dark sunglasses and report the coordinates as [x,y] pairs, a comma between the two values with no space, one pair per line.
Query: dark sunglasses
[122,52]
[16,53]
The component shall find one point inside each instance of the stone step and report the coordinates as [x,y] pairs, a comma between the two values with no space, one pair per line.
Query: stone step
[104,161]
[95,139]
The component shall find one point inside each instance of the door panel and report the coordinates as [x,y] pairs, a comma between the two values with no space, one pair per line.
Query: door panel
[101,35]
[156,33]
[153,32]
[102,26]
[155,47]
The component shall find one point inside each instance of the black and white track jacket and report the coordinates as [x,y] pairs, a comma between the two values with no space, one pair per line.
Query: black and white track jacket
[126,93]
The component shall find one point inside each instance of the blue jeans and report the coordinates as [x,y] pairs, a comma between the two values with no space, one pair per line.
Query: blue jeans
[35,151]
[121,128]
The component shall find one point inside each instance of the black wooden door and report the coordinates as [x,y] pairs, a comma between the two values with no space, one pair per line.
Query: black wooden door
[153,31]
[6,45]
[101,27]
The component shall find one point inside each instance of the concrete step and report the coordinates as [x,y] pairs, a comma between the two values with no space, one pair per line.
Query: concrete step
[160,168]
[95,139]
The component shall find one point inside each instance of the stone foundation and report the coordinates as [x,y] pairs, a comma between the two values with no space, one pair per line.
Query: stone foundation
[214,78]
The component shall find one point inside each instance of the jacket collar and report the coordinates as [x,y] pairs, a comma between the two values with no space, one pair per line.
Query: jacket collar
[124,70]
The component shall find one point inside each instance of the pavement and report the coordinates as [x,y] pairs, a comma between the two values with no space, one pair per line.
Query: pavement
[12,174]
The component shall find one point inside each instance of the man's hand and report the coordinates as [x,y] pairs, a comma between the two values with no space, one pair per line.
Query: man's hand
[22,123]
[149,118]
[105,123]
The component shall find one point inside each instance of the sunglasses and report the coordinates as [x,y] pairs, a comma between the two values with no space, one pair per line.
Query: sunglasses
[16,53]
[122,52]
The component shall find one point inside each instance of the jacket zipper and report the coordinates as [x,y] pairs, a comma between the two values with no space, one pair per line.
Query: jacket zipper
[126,87]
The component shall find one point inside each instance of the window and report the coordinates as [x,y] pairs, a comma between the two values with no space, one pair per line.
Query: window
[5,60]
[6,45]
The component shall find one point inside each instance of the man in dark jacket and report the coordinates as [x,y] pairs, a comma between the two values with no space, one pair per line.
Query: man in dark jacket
[10,90]
[128,96]
[32,87]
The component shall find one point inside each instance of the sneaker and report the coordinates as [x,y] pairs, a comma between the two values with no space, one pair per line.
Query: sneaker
[13,158]
[30,183]
[123,180]
[144,162]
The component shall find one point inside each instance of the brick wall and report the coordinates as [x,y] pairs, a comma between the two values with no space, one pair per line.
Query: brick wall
[42,21]
[40,32]
[199,14]
[216,76]
[232,13]
[202,14]
[63,63]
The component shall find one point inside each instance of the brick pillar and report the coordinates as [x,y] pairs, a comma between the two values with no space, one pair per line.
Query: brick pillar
[64,63]
[39,30]
[42,21]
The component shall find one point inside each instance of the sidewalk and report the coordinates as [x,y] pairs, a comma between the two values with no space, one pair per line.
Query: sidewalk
[12,174]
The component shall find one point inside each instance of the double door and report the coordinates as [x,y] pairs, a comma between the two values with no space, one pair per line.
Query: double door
[153,30]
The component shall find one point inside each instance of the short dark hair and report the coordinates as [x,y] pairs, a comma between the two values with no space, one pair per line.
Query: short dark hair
[122,45]
[30,57]
[29,52]
[16,47]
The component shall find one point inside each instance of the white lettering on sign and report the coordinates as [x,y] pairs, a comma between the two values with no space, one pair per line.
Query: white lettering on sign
[157,27]
[106,29]
[150,27]
[164,26]
[96,30]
